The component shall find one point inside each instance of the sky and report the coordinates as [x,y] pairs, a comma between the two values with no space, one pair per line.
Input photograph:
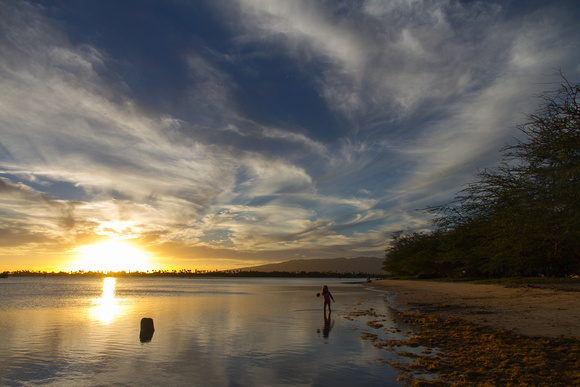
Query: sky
[223,134]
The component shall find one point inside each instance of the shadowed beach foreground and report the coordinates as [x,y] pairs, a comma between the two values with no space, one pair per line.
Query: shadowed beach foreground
[485,334]
[545,310]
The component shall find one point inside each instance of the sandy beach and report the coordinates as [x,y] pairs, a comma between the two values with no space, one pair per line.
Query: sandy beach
[542,310]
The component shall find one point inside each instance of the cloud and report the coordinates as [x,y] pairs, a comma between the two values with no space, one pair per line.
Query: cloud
[416,96]
[63,121]
[141,171]
[383,60]
[476,127]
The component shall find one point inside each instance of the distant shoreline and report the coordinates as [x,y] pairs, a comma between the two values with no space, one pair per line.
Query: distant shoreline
[187,274]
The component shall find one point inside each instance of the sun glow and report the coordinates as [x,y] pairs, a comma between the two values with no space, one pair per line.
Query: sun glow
[112,256]
[107,307]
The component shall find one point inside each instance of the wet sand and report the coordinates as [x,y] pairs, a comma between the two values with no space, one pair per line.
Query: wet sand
[543,310]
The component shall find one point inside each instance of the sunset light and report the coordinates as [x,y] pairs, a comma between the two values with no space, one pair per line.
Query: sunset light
[288,130]
[112,256]
[179,180]
[107,307]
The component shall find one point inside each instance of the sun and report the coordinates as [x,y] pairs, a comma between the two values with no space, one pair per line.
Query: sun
[112,256]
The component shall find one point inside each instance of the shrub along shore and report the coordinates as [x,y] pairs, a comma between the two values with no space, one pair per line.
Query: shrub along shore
[519,218]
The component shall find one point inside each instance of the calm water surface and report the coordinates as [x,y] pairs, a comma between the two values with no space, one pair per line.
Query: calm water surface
[208,332]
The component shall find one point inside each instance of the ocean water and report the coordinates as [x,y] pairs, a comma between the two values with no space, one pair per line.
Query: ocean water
[75,331]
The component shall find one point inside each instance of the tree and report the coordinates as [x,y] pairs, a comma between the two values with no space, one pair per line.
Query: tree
[550,173]
[528,207]
[413,253]
[520,218]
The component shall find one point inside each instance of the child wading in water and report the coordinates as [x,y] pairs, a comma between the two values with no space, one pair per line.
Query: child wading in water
[327,297]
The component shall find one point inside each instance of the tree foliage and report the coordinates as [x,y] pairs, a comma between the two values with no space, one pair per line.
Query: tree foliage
[520,218]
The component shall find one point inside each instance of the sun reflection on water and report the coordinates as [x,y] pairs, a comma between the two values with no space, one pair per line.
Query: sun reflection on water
[107,307]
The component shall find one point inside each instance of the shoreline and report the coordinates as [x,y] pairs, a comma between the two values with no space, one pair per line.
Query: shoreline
[528,310]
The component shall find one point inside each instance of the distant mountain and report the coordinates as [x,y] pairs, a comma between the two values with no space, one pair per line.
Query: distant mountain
[371,265]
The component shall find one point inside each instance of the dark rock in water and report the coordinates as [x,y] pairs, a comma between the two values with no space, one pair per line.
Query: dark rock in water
[147,330]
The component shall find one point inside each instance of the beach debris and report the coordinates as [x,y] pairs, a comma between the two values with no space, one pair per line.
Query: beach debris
[459,352]
[375,324]
[369,336]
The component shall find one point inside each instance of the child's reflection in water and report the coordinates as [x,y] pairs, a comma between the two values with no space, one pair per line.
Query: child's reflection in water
[328,324]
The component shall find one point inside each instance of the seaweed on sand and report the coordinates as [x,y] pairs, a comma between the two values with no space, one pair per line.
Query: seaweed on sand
[469,354]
